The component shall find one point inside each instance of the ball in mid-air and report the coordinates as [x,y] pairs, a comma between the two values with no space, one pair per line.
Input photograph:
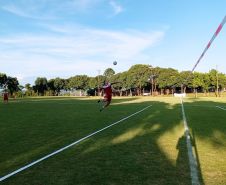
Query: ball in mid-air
[115,63]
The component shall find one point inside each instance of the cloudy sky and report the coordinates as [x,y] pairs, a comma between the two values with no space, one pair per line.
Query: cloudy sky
[64,38]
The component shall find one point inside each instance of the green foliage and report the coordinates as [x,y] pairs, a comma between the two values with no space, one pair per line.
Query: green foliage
[139,76]
[109,72]
[93,82]
[41,85]
[60,84]
[91,92]
[12,84]
[221,80]
[27,86]
[79,82]
[213,78]
[19,94]
[21,87]
[3,79]
[183,76]
[168,78]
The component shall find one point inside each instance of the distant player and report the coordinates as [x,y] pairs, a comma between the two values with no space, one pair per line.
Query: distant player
[6,94]
[108,93]
[14,95]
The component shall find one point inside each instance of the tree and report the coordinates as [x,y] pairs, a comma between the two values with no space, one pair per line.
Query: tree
[59,84]
[12,84]
[123,79]
[41,85]
[51,88]
[213,78]
[182,77]
[139,76]
[34,88]
[79,82]
[3,79]
[109,72]
[221,80]
[27,86]
[21,87]
[156,72]
[117,78]
[93,82]
[93,85]
[205,81]
[168,78]
[129,83]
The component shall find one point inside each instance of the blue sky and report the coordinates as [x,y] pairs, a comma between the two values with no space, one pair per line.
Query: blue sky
[55,38]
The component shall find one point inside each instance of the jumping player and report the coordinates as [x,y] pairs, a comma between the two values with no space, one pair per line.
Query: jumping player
[6,94]
[108,93]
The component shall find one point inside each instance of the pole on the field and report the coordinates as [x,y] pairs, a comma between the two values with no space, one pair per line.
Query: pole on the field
[207,47]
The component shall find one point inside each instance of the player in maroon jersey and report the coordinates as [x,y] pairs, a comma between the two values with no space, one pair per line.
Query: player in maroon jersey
[5,94]
[108,93]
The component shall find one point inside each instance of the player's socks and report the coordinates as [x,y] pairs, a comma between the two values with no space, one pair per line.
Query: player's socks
[101,108]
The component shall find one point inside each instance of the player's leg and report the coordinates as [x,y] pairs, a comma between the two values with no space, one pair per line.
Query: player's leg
[104,100]
[108,103]
[5,100]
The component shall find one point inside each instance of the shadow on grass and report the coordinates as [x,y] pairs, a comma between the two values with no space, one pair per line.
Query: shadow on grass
[148,148]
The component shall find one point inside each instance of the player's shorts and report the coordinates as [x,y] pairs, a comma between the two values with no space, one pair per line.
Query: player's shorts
[108,96]
[5,98]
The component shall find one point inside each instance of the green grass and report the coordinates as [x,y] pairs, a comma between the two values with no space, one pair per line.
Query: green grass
[148,148]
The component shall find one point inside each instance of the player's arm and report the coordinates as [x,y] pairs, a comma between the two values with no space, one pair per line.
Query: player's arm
[100,89]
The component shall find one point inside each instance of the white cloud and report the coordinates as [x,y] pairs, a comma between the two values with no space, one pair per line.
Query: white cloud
[19,76]
[117,8]
[80,4]
[71,50]
[18,11]
[51,9]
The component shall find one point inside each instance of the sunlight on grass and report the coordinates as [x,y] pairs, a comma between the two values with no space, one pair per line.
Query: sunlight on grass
[24,156]
[130,135]
[212,159]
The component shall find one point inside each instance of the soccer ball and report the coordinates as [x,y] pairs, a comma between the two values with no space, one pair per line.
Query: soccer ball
[115,63]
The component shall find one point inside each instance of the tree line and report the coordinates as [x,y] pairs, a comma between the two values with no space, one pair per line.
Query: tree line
[137,77]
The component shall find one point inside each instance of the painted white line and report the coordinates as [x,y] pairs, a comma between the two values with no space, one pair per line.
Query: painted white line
[192,162]
[220,108]
[23,168]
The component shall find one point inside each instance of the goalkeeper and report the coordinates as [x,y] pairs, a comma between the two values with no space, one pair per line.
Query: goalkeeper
[108,93]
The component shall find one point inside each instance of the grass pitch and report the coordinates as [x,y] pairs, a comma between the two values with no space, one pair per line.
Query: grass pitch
[147,148]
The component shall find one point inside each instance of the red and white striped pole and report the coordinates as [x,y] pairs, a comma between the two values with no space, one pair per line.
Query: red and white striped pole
[207,47]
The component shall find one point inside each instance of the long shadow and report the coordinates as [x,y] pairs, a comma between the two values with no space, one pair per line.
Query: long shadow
[198,166]
[127,153]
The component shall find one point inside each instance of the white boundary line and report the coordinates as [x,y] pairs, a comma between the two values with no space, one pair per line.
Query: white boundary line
[23,168]
[220,108]
[192,163]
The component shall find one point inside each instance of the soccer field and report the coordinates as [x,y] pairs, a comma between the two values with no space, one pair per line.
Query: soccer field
[146,148]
